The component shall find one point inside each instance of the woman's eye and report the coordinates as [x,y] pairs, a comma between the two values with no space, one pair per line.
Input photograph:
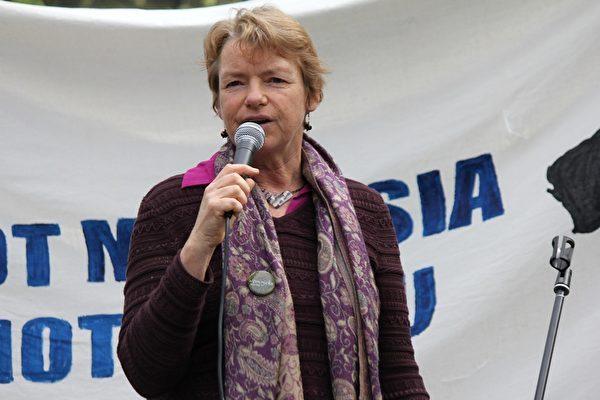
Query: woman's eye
[276,79]
[232,84]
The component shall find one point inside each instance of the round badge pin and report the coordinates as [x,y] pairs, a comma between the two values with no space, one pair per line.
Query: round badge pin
[261,283]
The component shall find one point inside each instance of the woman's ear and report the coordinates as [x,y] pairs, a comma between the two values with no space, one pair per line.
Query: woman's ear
[312,103]
[217,106]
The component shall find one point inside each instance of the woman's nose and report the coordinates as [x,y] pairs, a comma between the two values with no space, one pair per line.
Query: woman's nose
[256,95]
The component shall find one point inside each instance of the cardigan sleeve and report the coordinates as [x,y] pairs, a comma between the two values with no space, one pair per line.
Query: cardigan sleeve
[163,303]
[398,370]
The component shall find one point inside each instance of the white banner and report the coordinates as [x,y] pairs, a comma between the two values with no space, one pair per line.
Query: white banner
[455,111]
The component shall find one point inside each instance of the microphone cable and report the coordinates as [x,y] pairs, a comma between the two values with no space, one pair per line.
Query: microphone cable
[221,346]
[249,137]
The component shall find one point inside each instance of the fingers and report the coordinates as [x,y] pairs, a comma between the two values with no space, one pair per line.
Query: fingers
[240,169]
[250,183]
[234,179]
[234,174]
[233,192]
[220,206]
[228,192]
[230,189]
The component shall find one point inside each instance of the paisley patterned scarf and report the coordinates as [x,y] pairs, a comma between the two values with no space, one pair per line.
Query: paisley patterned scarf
[261,353]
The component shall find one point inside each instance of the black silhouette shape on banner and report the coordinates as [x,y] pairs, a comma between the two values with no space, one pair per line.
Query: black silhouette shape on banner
[576,180]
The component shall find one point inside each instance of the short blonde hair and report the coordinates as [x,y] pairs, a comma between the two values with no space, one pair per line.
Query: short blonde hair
[265,28]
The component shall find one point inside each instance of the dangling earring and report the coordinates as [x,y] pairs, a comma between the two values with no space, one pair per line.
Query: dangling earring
[307,125]
[224,133]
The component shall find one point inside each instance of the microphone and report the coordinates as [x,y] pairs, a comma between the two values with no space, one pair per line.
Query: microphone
[249,137]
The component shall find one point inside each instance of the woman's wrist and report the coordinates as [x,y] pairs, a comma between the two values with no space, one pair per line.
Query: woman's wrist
[195,259]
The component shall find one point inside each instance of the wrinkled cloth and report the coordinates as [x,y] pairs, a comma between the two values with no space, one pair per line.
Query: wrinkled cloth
[168,339]
[261,350]
[204,173]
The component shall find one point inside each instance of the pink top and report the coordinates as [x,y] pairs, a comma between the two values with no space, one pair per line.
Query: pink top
[204,173]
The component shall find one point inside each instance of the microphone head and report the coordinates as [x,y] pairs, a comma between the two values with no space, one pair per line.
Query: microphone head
[250,133]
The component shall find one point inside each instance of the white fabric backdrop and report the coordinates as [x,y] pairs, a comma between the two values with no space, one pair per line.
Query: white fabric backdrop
[96,106]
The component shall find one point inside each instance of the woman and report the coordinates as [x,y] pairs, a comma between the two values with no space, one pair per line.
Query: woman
[335,325]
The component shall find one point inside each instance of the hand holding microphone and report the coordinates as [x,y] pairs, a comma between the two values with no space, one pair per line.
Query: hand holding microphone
[228,192]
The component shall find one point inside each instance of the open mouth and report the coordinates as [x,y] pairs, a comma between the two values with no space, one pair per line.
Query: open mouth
[259,121]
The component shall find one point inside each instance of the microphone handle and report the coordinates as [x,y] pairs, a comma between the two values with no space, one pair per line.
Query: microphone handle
[243,153]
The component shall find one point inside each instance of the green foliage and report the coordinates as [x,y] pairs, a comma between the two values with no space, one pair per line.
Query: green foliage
[146,4]
[34,2]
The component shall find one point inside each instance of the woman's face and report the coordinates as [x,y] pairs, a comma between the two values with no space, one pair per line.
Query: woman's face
[265,88]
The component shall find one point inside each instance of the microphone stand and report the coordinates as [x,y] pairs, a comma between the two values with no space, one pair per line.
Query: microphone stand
[561,260]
